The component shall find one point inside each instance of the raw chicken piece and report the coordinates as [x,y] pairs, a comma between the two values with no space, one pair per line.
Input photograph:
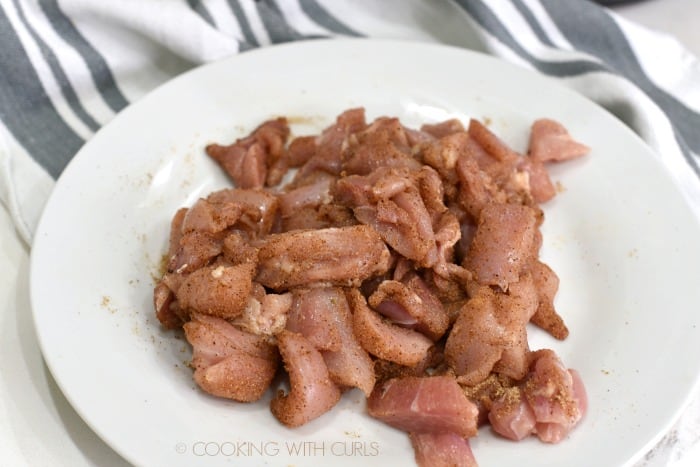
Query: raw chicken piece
[312,392]
[417,139]
[412,297]
[476,340]
[386,340]
[329,144]
[491,143]
[551,141]
[511,416]
[392,310]
[217,290]
[485,393]
[322,216]
[442,155]
[176,231]
[448,233]
[265,315]
[442,450]
[229,362]
[549,403]
[209,217]
[539,184]
[515,309]
[476,188]
[343,256]
[312,315]
[556,395]
[163,302]
[240,377]
[442,129]
[197,234]
[546,317]
[219,337]
[350,365]
[383,144]
[300,150]
[502,244]
[247,160]
[237,249]
[196,249]
[431,365]
[490,335]
[258,209]
[315,193]
[245,165]
[431,404]
[389,200]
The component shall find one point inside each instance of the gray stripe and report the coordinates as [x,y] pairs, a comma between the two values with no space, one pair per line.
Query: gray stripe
[66,88]
[198,7]
[574,20]
[99,69]
[243,23]
[489,21]
[276,25]
[27,111]
[321,16]
[532,21]
[201,10]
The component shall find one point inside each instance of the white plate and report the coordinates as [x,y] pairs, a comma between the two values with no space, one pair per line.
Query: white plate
[620,237]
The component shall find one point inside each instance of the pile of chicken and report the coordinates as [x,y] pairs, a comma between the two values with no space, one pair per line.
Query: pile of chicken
[398,261]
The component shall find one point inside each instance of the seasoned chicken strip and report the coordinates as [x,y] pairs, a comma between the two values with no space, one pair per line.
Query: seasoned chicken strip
[342,256]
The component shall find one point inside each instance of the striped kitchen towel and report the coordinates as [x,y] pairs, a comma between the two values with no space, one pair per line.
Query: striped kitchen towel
[68,67]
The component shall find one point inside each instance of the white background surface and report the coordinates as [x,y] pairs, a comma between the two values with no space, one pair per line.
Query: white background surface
[38,427]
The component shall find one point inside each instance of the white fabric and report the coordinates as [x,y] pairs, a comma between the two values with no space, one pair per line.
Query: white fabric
[24,185]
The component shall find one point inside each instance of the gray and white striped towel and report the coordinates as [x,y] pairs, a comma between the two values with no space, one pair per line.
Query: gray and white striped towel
[68,67]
